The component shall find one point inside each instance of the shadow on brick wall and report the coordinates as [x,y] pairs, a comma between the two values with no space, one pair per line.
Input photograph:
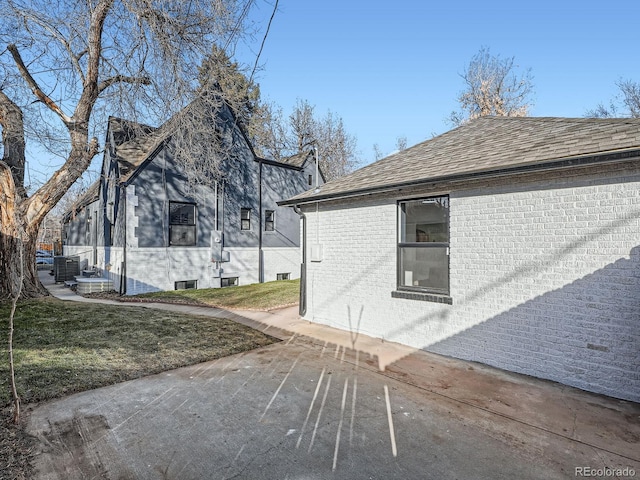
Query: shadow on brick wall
[585,334]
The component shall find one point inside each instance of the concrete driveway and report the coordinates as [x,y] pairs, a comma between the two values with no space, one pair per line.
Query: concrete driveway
[324,403]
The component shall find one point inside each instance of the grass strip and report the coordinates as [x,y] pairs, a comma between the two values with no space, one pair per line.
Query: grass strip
[65,347]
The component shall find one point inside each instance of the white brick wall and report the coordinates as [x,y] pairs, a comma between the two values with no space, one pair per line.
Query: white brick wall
[545,278]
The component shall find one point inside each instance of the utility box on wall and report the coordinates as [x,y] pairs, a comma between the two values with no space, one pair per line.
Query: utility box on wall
[217,244]
[316,253]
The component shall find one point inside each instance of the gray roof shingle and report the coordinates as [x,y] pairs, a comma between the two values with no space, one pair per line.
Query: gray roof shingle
[483,145]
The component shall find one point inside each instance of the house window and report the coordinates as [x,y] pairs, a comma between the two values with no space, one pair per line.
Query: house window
[423,248]
[269,220]
[182,224]
[186,285]
[283,276]
[229,282]
[310,180]
[245,219]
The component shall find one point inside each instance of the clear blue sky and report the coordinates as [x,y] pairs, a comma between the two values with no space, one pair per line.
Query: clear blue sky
[391,68]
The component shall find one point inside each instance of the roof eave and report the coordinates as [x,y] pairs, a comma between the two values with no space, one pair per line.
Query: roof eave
[559,164]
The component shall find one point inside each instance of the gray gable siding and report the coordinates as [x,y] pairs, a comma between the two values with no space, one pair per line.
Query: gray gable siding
[155,186]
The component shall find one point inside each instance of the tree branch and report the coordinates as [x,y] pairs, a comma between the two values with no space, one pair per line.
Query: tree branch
[122,79]
[75,59]
[90,89]
[35,88]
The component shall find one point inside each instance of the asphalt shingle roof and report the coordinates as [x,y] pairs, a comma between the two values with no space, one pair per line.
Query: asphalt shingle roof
[487,144]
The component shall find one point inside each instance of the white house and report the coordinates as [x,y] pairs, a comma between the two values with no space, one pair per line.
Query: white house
[514,242]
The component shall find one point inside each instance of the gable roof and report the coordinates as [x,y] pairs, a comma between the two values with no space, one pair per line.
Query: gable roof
[133,143]
[136,144]
[490,145]
[298,160]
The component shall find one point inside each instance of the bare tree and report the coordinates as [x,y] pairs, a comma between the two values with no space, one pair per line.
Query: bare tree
[272,140]
[336,148]
[64,67]
[493,87]
[377,152]
[303,131]
[629,97]
[401,143]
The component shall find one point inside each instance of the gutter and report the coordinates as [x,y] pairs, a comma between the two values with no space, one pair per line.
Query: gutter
[573,162]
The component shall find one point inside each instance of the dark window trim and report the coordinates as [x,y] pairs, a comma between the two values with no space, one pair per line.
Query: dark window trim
[269,225]
[186,285]
[247,220]
[422,296]
[234,282]
[194,225]
[428,294]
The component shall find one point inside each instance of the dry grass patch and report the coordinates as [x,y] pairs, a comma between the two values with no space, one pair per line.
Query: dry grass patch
[63,347]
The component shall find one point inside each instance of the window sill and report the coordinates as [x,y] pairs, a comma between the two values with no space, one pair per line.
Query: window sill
[422,297]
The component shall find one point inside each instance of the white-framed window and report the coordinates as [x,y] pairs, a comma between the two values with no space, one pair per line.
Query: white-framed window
[186,285]
[229,282]
[245,219]
[423,245]
[269,220]
[182,224]
[283,276]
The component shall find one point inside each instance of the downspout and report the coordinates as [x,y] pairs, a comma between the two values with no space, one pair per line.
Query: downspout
[123,267]
[317,170]
[260,254]
[302,309]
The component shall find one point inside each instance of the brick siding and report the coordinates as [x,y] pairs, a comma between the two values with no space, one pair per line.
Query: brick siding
[544,275]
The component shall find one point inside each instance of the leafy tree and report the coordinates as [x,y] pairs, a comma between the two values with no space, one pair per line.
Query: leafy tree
[240,91]
[629,98]
[493,87]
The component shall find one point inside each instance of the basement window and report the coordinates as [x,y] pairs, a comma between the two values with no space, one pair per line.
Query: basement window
[283,276]
[229,282]
[186,285]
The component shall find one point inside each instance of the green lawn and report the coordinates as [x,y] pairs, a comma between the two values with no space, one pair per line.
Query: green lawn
[258,296]
[65,347]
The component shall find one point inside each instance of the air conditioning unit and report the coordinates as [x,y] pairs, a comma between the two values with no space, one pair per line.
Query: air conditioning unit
[66,268]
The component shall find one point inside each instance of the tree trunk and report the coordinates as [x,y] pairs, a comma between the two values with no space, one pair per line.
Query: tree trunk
[18,268]
[10,259]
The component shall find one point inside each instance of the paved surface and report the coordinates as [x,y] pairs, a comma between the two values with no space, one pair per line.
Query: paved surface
[325,403]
